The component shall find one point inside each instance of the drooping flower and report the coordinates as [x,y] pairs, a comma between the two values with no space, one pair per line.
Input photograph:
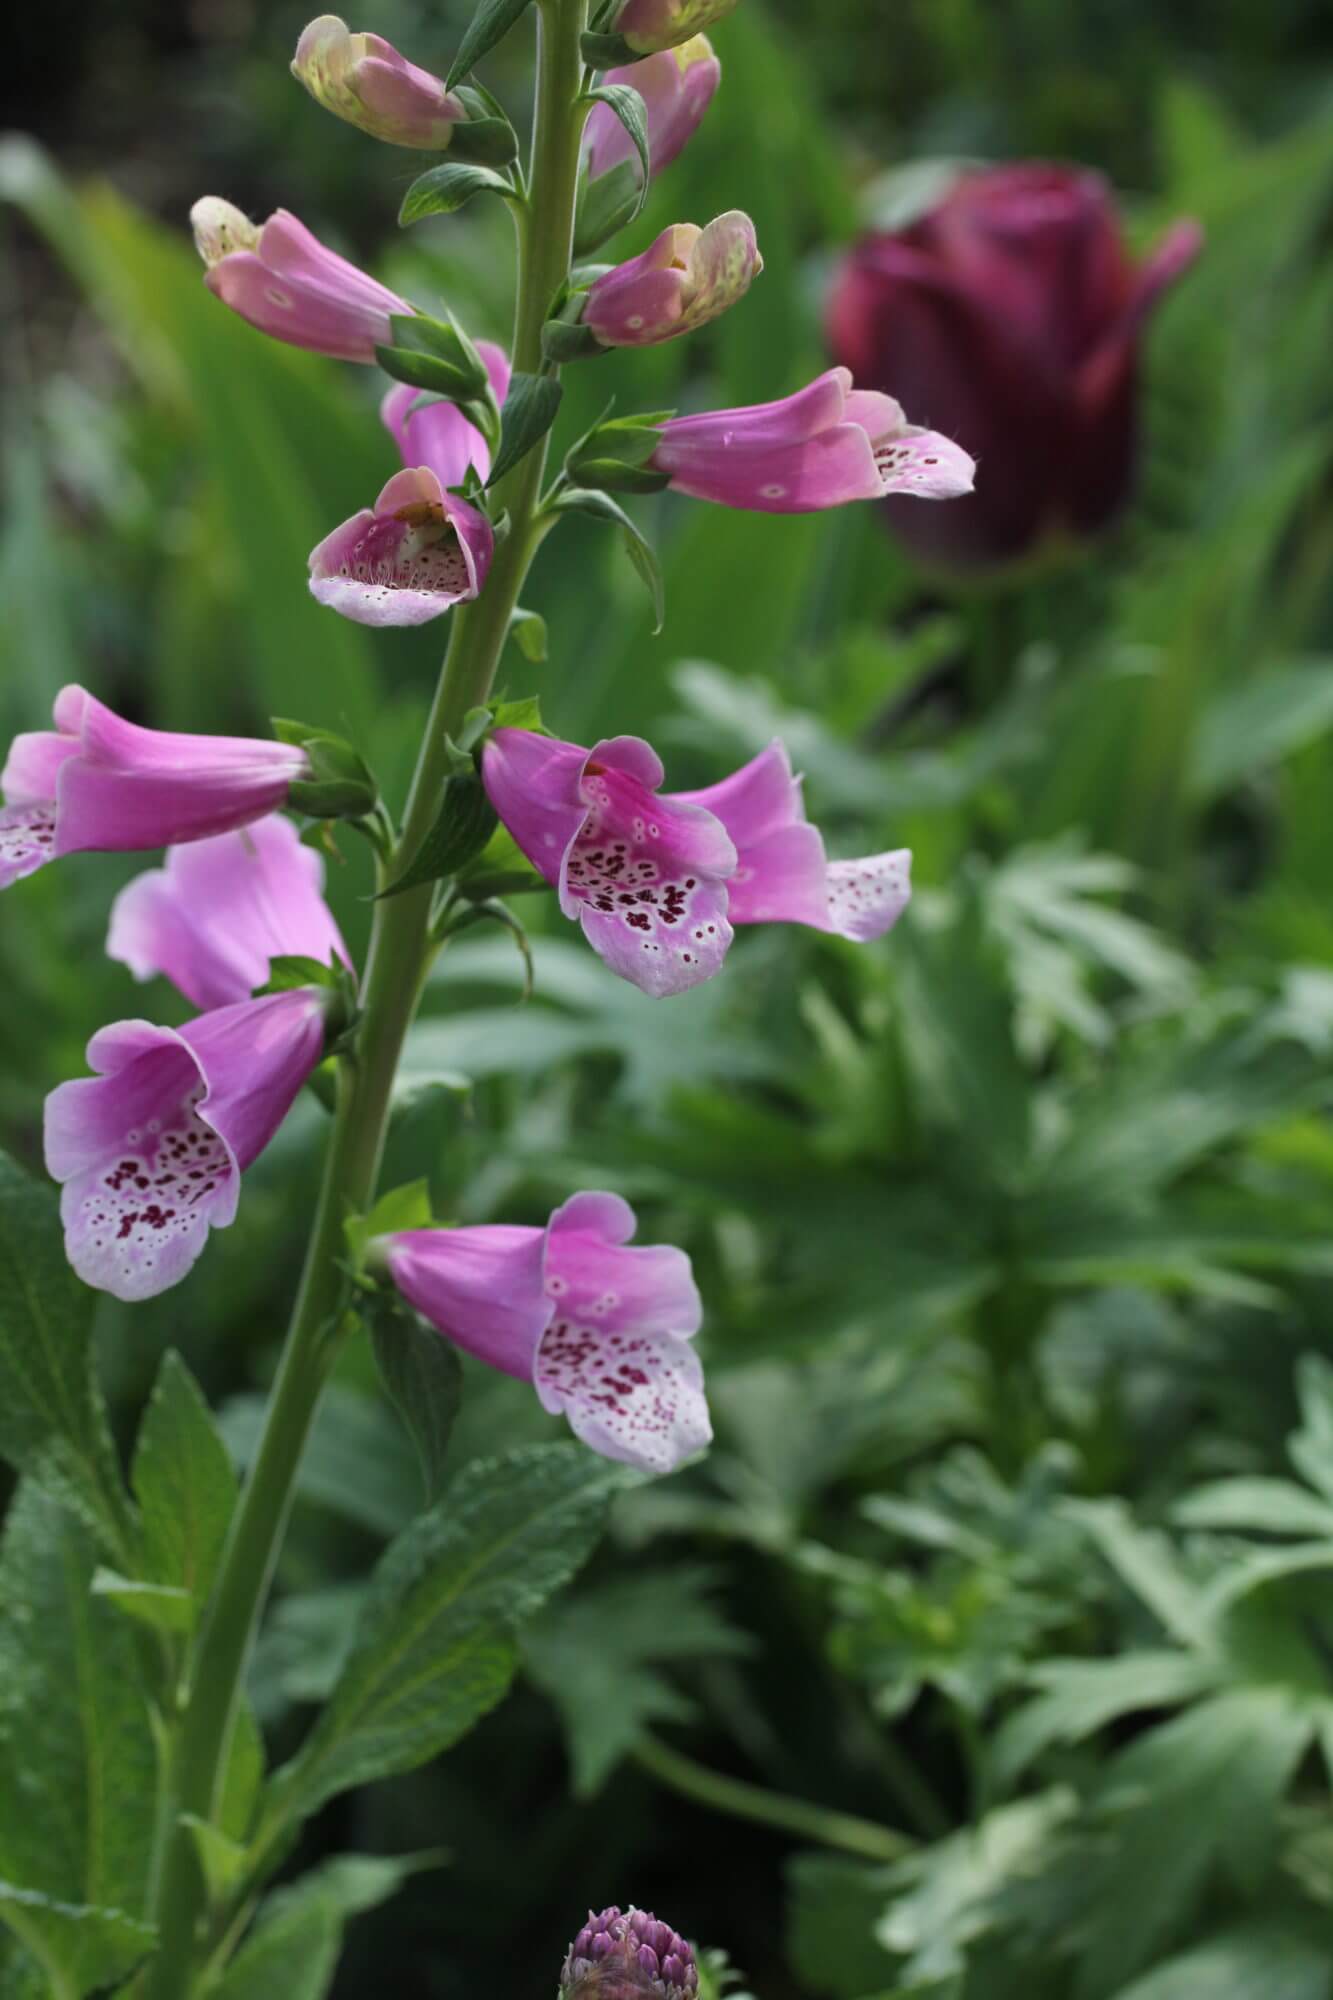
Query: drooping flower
[214,917]
[285,282]
[1011,314]
[782,874]
[627,1956]
[681,281]
[601,1330]
[96,782]
[363,79]
[151,1149]
[676,86]
[651,25]
[644,876]
[420,549]
[822,447]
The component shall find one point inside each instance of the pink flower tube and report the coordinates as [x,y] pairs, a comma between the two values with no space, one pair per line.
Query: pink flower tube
[783,875]
[419,549]
[95,782]
[681,281]
[285,282]
[214,917]
[363,79]
[602,1331]
[645,877]
[649,25]
[677,87]
[152,1148]
[822,447]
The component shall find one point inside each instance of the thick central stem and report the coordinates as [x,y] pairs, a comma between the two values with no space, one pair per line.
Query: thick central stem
[399,958]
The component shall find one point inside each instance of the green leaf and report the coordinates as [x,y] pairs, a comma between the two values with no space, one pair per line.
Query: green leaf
[406,1207]
[423,1379]
[427,371]
[162,1605]
[1267,718]
[50,1413]
[183,1481]
[606,205]
[466,821]
[1255,1506]
[1310,1449]
[489,25]
[292,1952]
[528,631]
[244,1776]
[638,548]
[446,340]
[435,1649]
[1272,1959]
[624,101]
[77,1805]
[291,970]
[82,1946]
[445,189]
[529,411]
[354,1464]
[222,1860]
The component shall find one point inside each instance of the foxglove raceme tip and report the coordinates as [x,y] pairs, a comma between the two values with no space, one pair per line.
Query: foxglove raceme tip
[152,1148]
[363,79]
[1012,314]
[828,444]
[96,782]
[685,278]
[420,549]
[285,282]
[618,1955]
[677,88]
[651,25]
[220,910]
[657,880]
[603,1331]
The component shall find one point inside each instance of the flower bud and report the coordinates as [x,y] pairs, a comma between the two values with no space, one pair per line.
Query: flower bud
[684,279]
[643,27]
[677,88]
[363,79]
[221,229]
[624,1957]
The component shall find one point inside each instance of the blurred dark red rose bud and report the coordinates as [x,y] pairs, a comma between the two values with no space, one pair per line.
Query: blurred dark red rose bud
[1009,317]
[628,1956]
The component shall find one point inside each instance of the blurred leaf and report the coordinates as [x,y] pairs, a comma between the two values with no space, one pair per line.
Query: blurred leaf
[1248,728]
[424,1382]
[184,1484]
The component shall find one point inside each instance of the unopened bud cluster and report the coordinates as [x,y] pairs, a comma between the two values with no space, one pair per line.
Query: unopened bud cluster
[628,1953]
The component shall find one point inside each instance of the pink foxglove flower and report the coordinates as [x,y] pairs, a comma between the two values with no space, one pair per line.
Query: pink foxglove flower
[644,876]
[650,25]
[822,447]
[152,1148]
[420,549]
[363,79]
[96,782]
[677,88]
[220,910]
[783,875]
[681,281]
[601,1331]
[285,282]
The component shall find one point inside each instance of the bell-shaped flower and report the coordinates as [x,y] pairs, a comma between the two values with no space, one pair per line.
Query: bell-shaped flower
[152,1148]
[419,549]
[602,1331]
[681,281]
[783,875]
[221,910]
[285,282]
[676,86]
[96,782]
[650,25]
[645,877]
[363,79]
[822,447]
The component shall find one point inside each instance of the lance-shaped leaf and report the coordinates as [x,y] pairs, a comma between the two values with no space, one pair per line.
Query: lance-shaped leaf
[625,103]
[184,1483]
[489,25]
[585,500]
[435,1645]
[465,823]
[445,189]
[50,1411]
[422,1377]
[529,411]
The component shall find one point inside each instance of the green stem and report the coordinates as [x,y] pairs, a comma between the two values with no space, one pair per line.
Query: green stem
[398,960]
[845,1831]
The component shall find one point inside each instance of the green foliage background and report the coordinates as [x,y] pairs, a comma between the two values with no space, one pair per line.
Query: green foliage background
[1013,1230]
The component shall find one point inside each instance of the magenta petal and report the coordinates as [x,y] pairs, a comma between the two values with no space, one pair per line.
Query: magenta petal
[480,1287]
[407,560]
[759,799]
[145,1178]
[213,918]
[533,783]
[780,874]
[866,898]
[294,288]
[33,766]
[760,426]
[594,1274]
[676,85]
[255,1056]
[27,841]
